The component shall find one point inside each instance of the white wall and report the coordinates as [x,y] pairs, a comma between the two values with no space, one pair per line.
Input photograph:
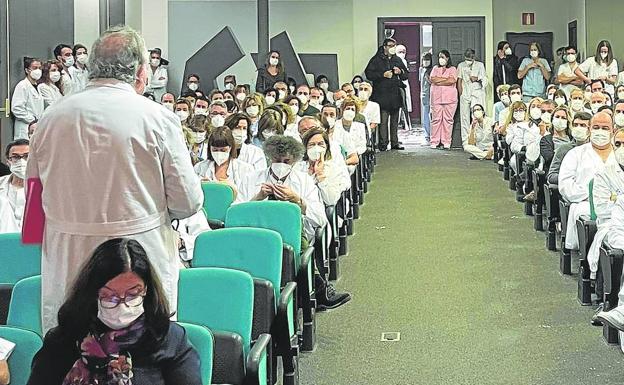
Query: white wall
[86,21]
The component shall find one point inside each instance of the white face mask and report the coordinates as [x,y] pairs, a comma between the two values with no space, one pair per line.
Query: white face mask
[294,109]
[270,100]
[292,89]
[604,55]
[401,55]
[69,61]
[620,95]
[183,115]
[577,104]
[356,85]
[55,76]
[580,133]
[546,117]
[560,124]
[363,95]
[220,157]
[36,74]
[229,86]
[303,98]
[595,107]
[559,101]
[348,115]
[392,50]
[201,111]
[551,96]
[281,170]
[273,61]
[119,317]
[600,138]
[619,155]
[83,58]
[324,86]
[217,121]
[426,63]
[618,119]
[442,61]
[200,137]
[571,58]
[535,113]
[315,103]
[168,105]
[519,116]
[331,121]
[193,86]
[339,103]
[478,114]
[316,152]
[19,168]
[281,94]
[515,98]
[253,111]
[534,53]
[241,96]
[505,99]
[153,62]
[239,136]
[508,51]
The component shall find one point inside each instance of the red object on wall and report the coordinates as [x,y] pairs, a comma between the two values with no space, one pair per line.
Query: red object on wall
[528,18]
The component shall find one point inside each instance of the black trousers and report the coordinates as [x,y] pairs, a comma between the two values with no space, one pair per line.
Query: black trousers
[389,120]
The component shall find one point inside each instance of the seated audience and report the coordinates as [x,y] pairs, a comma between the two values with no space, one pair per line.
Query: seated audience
[580,136]
[270,124]
[245,151]
[480,141]
[12,187]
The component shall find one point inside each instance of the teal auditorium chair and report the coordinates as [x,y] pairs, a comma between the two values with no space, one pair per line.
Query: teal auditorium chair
[25,306]
[17,261]
[27,344]
[218,197]
[259,253]
[203,342]
[222,300]
[285,218]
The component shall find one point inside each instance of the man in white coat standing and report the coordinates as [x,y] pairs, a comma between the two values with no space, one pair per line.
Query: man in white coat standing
[112,164]
[471,84]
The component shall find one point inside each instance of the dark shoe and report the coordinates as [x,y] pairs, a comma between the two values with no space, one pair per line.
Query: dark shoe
[383,148]
[594,320]
[614,317]
[328,298]
[473,158]
[399,147]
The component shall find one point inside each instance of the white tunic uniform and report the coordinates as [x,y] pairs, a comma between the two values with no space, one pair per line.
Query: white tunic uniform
[593,70]
[578,167]
[532,138]
[472,92]
[26,106]
[127,175]
[354,140]
[237,170]
[336,180]
[79,77]
[155,83]
[484,139]
[50,94]
[13,199]
[372,113]
[253,155]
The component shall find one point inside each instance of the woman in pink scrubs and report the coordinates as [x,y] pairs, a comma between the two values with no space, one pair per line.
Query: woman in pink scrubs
[443,100]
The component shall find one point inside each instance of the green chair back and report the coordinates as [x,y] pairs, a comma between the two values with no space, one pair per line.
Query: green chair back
[592,208]
[18,260]
[283,217]
[27,344]
[202,340]
[220,299]
[218,197]
[256,251]
[25,305]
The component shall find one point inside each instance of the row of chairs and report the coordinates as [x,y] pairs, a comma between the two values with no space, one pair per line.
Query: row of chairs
[550,212]
[265,307]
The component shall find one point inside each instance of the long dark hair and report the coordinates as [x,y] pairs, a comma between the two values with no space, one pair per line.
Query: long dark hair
[308,135]
[598,58]
[232,122]
[78,314]
[280,65]
[448,56]
[428,69]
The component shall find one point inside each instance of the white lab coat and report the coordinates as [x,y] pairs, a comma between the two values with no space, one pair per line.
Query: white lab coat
[372,113]
[128,174]
[237,170]
[578,167]
[50,94]
[253,155]
[302,184]
[484,139]
[607,190]
[14,200]
[27,105]
[155,84]
[532,138]
[472,92]
[68,82]
[79,77]
[189,229]
[336,180]
[356,135]
[292,130]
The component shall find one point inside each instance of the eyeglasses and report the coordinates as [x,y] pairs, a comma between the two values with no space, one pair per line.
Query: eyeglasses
[130,300]
[16,157]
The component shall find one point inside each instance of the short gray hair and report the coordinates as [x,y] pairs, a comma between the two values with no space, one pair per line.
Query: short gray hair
[217,103]
[117,54]
[279,146]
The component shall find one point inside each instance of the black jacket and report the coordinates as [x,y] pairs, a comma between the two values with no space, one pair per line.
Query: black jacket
[386,92]
[509,65]
[265,80]
[175,362]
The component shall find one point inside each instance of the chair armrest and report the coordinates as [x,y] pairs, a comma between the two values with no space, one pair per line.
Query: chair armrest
[257,362]
[216,224]
[286,308]
[307,268]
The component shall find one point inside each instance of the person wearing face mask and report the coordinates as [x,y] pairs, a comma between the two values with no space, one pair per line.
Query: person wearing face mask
[305,108]
[578,101]
[12,187]
[550,91]
[355,84]
[503,95]
[184,112]
[273,71]
[253,106]
[27,105]
[168,101]
[471,83]
[515,95]
[192,83]
[386,72]
[401,53]
[282,90]
[579,131]
[79,72]
[602,66]
[443,101]
[269,124]
[245,151]
[157,75]
[198,133]
[50,87]
[480,141]
[270,96]
[505,66]
[131,179]
[369,109]
[514,127]
[597,101]
[534,72]
[580,166]
[116,317]
[322,82]
[566,74]
[65,55]
[559,136]
[354,132]
[316,98]
[217,114]
[560,98]
[284,182]
[424,74]
[201,106]
[229,82]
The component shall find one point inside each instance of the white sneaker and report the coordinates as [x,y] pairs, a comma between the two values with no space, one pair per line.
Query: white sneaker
[614,317]
[501,162]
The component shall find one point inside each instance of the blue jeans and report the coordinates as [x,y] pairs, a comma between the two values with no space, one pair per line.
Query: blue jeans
[425,115]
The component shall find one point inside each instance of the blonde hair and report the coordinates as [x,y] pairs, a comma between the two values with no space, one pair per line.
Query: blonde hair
[512,107]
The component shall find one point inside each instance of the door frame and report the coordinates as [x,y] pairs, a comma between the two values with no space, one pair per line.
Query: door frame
[6,127]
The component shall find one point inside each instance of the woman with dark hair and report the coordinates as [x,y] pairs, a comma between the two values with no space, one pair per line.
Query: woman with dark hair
[505,66]
[272,72]
[50,85]
[443,100]
[424,73]
[79,72]
[322,82]
[114,327]
[355,83]
[601,66]
[534,72]
[240,124]
[270,124]
[27,104]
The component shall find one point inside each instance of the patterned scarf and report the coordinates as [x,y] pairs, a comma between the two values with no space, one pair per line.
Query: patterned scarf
[104,359]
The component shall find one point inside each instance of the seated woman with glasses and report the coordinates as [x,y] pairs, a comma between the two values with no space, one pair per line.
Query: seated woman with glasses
[114,327]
